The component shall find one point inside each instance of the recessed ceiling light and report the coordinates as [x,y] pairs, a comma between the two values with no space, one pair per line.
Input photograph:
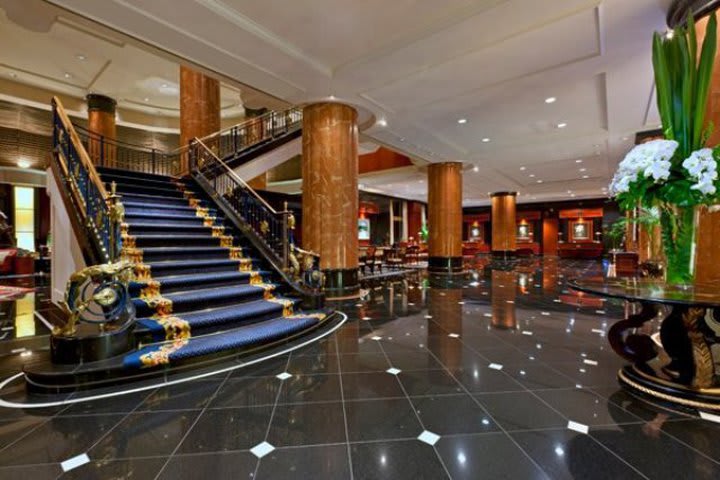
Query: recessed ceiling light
[164,85]
[572,194]
[81,57]
[539,181]
[22,163]
[586,176]
[583,169]
[550,100]
[382,122]
[561,125]
[476,169]
[402,139]
[579,160]
[625,139]
[146,99]
[67,75]
[332,97]
[532,175]
[485,140]
[569,191]
[462,120]
[522,168]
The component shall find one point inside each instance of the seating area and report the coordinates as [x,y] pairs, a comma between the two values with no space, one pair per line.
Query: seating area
[373,259]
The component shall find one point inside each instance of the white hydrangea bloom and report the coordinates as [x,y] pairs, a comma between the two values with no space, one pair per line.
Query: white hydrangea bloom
[651,159]
[702,167]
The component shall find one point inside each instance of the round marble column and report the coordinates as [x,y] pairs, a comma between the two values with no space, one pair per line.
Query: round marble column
[101,122]
[445,217]
[330,193]
[503,223]
[199,107]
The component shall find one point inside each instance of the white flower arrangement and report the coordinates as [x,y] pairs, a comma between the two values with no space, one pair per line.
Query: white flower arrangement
[648,169]
[651,160]
[702,168]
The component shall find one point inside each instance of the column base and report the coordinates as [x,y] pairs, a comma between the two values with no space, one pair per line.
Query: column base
[504,253]
[446,265]
[341,282]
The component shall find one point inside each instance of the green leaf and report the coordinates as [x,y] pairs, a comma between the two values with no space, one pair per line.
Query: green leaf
[704,76]
[662,85]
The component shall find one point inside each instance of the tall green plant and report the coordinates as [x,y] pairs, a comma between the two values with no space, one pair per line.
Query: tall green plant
[682,81]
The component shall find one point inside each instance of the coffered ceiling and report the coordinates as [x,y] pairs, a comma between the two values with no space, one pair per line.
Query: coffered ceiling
[46,48]
[421,66]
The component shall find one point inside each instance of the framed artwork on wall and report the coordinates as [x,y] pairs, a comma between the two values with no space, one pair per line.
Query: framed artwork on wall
[363,229]
[524,232]
[580,230]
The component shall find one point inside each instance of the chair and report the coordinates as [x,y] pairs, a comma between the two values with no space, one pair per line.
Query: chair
[396,257]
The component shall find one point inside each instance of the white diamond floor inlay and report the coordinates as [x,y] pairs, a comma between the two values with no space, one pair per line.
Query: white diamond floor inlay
[453,335]
[393,371]
[283,376]
[75,462]
[578,427]
[429,437]
[262,449]
[495,366]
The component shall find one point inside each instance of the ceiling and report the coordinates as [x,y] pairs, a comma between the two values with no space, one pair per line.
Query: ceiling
[419,66]
[57,52]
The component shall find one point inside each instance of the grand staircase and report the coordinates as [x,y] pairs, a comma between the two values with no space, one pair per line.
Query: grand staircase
[203,288]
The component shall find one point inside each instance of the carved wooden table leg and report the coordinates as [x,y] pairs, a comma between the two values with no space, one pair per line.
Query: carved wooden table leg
[704,371]
[634,348]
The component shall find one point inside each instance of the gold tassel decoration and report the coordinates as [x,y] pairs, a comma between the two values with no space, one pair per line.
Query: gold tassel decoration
[175,327]
[218,231]
[142,272]
[236,253]
[245,264]
[162,356]
[226,241]
[152,290]
[133,255]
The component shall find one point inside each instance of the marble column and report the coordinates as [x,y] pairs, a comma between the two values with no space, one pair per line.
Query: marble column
[330,193]
[199,107]
[707,255]
[445,217]
[101,122]
[503,223]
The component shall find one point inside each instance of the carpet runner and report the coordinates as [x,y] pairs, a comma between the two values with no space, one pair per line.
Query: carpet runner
[199,289]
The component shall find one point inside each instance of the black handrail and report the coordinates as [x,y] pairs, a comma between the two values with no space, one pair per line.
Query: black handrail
[270,225]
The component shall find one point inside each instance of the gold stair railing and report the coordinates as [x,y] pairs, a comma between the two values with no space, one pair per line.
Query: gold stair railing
[96,214]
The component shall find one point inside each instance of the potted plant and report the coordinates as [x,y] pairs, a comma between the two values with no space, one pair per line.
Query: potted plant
[678,174]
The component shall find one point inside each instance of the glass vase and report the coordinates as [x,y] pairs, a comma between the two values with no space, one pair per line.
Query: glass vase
[679,228]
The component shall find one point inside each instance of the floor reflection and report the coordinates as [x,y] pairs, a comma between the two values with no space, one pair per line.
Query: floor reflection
[489,368]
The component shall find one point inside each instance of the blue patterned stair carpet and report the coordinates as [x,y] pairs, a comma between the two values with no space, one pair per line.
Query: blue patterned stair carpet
[198,288]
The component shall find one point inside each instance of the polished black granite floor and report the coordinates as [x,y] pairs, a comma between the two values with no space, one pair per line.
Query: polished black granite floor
[481,377]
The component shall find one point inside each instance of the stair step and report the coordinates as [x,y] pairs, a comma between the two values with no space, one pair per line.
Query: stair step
[151,200]
[167,228]
[215,319]
[162,354]
[133,174]
[129,188]
[204,298]
[178,267]
[133,217]
[150,240]
[197,281]
[158,254]
[161,209]
[149,182]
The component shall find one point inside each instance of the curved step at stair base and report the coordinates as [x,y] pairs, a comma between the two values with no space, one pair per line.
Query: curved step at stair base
[42,376]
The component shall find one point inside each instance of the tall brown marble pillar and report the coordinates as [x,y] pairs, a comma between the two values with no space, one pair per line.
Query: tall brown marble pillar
[445,217]
[330,193]
[101,122]
[707,255]
[199,106]
[503,223]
